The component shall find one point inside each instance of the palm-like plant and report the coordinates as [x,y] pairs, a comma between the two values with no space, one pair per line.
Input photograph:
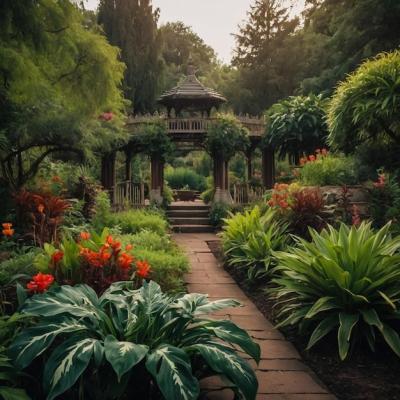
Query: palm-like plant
[154,343]
[345,280]
[250,238]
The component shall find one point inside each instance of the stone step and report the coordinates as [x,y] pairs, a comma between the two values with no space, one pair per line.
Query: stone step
[188,213]
[188,207]
[190,221]
[193,228]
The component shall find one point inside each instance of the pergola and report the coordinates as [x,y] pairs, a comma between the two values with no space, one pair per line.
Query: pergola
[189,114]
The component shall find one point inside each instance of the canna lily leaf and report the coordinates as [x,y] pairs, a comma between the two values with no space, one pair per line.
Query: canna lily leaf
[322,329]
[346,325]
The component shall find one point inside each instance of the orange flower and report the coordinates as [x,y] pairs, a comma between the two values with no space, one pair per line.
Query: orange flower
[85,235]
[57,256]
[40,283]
[142,269]
[7,230]
[125,261]
[128,247]
[109,240]
[40,208]
[6,225]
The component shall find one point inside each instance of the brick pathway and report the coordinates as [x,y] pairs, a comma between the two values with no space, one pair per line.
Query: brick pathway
[281,373]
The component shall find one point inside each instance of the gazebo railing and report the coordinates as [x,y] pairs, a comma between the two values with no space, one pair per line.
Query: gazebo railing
[256,125]
[129,194]
[243,193]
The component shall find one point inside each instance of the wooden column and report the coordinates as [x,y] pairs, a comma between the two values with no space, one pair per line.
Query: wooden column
[128,165]
[221,180]
[268,167]
[249,159]
[108,175]
[157,179]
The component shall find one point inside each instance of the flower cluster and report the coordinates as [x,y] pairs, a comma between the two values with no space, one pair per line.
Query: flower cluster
[102,260]
[7,229]
[106,116]
[281,196]
[381,182]
[40,283]
[319,153]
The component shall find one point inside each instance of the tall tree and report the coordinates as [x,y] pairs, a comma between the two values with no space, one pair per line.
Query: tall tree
[57,76]
[132,26]
[341,34]
[261,55]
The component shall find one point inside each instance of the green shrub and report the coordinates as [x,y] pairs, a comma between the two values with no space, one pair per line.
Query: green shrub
[160,346]
[168,267]
[181,177]
[18,264]
[167,196]
[345,282]
[329,170]
[102,212]
[150,240]
[208,195]
[133,221]
[249,240]
[218,212]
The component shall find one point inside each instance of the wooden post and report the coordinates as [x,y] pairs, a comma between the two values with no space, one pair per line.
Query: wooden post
[108,175]
[249,157]
[221,180]
[268,167]
[128,165]
[157,179]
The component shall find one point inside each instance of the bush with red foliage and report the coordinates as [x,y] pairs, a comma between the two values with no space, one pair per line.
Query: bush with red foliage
[43,214]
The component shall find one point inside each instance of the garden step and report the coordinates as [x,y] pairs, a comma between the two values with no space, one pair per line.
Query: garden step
[193,228]
[187,213]
[188,207]
[190,221]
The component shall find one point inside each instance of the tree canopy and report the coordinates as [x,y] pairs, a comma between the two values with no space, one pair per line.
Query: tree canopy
[132,26]
[296,126]
[365,107]
[58,75]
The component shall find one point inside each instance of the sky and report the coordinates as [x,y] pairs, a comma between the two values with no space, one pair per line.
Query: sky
[213,20]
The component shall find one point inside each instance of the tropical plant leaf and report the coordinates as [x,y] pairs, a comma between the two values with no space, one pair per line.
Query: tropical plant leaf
[170,366]
[123,356]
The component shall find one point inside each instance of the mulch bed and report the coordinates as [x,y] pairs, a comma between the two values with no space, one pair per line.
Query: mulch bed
[366,376]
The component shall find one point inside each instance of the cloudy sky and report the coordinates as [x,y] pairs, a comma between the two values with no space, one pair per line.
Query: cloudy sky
[213,20]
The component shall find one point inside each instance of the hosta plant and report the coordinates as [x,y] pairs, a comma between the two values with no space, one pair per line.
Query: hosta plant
[132,341]
[249,239]
[344,281]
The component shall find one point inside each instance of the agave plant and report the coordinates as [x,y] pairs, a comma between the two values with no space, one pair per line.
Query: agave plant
[249,239]
[345,281]
[143,340]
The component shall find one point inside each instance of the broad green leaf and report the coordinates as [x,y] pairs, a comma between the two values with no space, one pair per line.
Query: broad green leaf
[346,325]
[322,329]
[32,342]
[231,333]
[216,305]
[123,355]
[322,304]
[392,338]
[371,317]
[66,364]
[225,361]
[170,366]
[8,393]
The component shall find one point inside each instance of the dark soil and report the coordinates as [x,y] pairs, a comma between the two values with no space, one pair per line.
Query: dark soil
[365,376]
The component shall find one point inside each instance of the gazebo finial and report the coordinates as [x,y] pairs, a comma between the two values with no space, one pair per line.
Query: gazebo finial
[191,69]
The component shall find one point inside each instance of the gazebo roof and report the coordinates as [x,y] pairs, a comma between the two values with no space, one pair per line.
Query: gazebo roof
[191,94]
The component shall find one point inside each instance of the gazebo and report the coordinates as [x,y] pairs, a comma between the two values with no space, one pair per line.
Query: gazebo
[189,108]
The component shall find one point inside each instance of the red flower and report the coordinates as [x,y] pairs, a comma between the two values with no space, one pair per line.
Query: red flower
[381,181]
[311,158]
[85,235]
[109,240]
[128,247]
[40,283]
[57,256]
[106,116]
[125,261]
[142,269]
[7,230]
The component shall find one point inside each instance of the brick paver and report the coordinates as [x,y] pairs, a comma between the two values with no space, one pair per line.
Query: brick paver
[281,373]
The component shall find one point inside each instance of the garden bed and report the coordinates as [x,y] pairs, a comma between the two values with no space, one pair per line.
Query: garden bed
[365,376]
